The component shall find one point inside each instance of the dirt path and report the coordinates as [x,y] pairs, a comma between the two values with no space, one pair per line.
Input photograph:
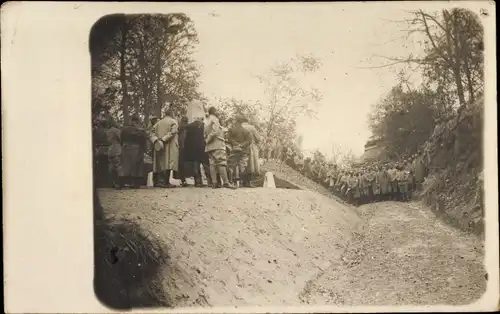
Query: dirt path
[403,255]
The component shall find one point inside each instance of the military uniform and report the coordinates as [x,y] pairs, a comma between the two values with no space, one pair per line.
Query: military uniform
[101,163]
[115,156]
[215,146]
[383,183]
[393,183]
[240,140]
[134,141]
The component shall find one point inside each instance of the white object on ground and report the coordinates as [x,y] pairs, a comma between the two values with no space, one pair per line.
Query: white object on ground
[149,183]
[269,180]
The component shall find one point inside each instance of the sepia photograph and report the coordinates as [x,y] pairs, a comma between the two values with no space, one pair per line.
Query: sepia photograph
[281,155]
[247,160]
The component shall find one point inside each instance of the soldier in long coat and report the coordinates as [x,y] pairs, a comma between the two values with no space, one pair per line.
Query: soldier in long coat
[166,155]
[402,178]
[411,178]
[341,182]
[344,185]
[382,178]
[419,171]
[370,176]
[308,167]
[299,162]
[101,146]
[194,151]
[134,145]
[353,192]
[184,165]
[152,122]
[114,154]
[332,177]
[253,160]
[364,185]
[393,182]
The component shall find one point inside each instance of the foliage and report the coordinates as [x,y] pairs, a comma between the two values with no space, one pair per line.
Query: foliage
[443,117]
[319,157]
[453,61]
[141,63]
[287,100]
[404,120]
[230,108]
[454,49]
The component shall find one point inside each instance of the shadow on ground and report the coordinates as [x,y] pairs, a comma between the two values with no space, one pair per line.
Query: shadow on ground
[127,264]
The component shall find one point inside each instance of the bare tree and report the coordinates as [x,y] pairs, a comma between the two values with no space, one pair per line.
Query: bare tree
[286,100]
[453,52]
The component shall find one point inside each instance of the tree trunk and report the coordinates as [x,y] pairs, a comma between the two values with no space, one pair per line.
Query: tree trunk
[454,55]
[123,80]
[159,99]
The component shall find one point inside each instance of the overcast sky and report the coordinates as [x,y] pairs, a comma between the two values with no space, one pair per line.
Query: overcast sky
[239,41]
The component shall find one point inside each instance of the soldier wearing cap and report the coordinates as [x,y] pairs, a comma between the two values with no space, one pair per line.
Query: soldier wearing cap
[419,170]
[114,153]
[216,148]
[166,155]
[101,146]
[240,140]
[152,122]
[133,146]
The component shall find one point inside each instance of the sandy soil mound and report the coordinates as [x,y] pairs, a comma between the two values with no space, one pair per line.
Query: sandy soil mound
[245,247]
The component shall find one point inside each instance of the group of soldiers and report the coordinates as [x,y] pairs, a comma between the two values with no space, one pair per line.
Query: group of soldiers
[369,182]
[179,148]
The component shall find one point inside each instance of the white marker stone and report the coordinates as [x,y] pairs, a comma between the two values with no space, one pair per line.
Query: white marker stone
[269,180]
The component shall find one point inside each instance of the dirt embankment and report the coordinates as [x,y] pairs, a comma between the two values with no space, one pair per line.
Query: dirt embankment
[456,200]
[289,247]
[293,247]
[245,247]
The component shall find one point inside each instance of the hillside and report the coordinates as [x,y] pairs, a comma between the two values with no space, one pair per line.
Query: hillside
[256,247]
[245,247]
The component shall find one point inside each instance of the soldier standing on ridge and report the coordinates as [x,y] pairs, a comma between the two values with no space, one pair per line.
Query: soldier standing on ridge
[216,148]
[183,170]
[166,155]
[153,120]
[240,140]
[253,164]
[114,154]
[133,141]
[101,147]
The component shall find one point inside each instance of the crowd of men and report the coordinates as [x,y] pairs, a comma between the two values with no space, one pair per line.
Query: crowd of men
[182,147]
[229,157]
[368,182]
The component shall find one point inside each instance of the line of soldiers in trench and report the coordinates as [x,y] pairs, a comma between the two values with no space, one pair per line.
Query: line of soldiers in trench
[367,183]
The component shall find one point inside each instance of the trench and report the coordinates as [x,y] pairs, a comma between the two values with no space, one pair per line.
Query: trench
[279,182]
